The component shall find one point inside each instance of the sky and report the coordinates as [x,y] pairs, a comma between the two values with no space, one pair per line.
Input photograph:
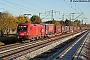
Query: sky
[62,9]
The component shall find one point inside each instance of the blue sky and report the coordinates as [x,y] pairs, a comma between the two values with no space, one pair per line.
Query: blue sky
[34,7]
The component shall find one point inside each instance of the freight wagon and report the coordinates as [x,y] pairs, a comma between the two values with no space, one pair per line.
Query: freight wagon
[37,31]
[58,30]
[49,29]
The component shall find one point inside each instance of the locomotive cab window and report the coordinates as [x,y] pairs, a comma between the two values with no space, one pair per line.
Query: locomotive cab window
[22,28]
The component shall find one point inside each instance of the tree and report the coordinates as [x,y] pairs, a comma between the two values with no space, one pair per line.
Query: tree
[22,19]
[62,22]
[7,22]
[57,23]
[51,22]
[35,19]
[77,23]
[67,22]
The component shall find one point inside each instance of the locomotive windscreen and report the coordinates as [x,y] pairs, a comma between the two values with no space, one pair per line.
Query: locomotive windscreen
[22,28]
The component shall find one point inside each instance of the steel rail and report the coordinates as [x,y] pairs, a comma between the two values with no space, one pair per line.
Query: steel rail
[26,48]
[6,53]
[62,56]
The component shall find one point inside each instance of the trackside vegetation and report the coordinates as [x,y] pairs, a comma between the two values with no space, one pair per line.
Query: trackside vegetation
[9,22]
[7,40]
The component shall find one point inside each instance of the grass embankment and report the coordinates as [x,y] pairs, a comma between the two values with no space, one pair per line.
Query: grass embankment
[7,40]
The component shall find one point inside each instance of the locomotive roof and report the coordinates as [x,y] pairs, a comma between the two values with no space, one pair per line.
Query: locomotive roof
[24,23]
[31,24]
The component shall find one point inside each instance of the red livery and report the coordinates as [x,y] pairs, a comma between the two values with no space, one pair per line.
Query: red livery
[71,29]
[49,28]
[36,31]
[30,31]
[58,30]
[67,29]
[63,29]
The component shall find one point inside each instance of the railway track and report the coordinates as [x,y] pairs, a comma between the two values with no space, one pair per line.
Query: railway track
[11,46]
[82,51]
[15,50]
[69,51]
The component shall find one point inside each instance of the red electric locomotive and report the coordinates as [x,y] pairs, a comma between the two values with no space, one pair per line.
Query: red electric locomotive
[30,31]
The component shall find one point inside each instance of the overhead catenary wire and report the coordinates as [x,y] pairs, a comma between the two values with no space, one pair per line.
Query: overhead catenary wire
[83,15]
[12,7]
[70,5]
[33,5]
[52,14]
[21,6]
[16,4]
[5,9]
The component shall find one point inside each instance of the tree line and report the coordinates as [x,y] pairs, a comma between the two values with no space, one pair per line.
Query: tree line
[8,21]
